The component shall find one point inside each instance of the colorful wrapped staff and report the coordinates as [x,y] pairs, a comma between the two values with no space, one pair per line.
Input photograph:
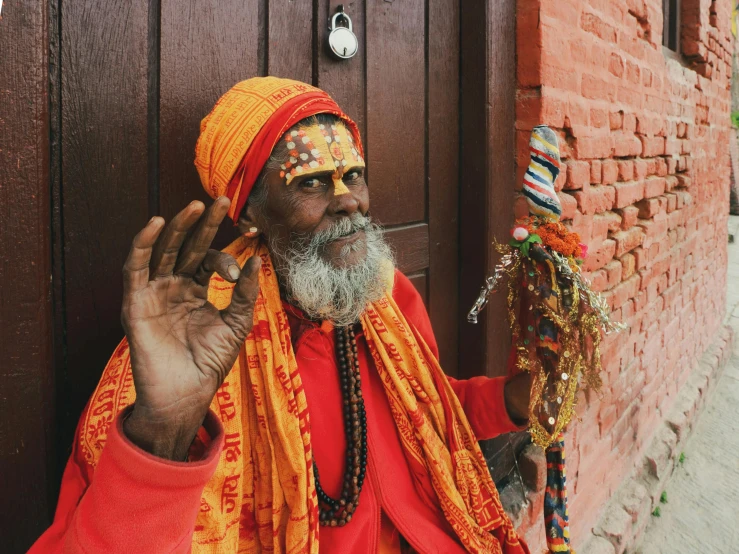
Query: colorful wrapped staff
[555,318]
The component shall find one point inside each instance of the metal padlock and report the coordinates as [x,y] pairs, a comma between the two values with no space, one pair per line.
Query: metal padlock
[342,40]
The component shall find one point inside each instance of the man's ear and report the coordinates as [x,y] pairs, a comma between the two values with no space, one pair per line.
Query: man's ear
[248,223]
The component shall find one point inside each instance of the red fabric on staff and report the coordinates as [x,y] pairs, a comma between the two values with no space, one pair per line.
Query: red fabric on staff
[138,503]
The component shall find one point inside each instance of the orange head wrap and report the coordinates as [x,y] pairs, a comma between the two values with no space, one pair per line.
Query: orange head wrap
[238,135]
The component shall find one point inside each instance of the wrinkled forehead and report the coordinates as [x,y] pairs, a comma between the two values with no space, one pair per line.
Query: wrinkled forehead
[319,148]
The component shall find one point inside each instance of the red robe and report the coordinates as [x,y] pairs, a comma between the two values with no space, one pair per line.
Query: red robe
[138,503]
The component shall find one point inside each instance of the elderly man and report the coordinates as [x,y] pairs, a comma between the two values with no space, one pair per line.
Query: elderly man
[283,395]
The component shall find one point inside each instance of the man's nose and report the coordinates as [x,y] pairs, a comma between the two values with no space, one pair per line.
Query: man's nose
[343,200]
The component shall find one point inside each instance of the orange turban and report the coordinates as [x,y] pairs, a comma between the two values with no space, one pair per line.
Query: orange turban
[238,135]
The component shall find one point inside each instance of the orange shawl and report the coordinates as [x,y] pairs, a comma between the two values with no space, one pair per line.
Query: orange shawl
[265,471]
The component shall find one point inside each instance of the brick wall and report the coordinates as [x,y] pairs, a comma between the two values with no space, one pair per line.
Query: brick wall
[644,138]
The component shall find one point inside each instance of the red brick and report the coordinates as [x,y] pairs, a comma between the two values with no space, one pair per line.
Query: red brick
[654,186]
[577,110]
[629,123]
[628,265]
[610,172]
[596,171]
[616,65]
[628,193]
[683,181]
[591,23]
[670,182]
[578,175]
[598,118]
[598,280]
[613,272]
[600,256]
[626,144]
[640,169]
[596,88]
[671,202]
[628,240]
[625,170]
[629,215]
[595,199]
[616,120]
[653,146]
[654,228]
[640,256]
[582,224]
[633,73]
[661,167]
[651,166]
[606,420]
[624,291]
[593,147]
[672,146]
[559,182]
[648,207]
[569,205]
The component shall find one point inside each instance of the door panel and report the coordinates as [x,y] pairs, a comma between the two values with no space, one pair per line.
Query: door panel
[104,190]
[396,123]
[206,47]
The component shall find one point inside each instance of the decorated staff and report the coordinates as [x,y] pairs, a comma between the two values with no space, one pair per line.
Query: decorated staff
[555,318]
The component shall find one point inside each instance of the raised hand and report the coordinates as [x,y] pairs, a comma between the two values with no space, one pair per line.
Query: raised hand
[181,346]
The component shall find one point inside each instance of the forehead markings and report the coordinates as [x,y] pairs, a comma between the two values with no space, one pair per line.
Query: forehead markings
[318,149]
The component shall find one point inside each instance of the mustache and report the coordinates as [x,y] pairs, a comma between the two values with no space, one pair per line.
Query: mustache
[340,228]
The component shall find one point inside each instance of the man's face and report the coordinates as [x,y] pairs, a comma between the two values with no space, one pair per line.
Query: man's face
[319,182]
[330,258]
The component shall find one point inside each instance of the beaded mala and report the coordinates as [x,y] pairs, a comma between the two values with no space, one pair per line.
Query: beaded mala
[339,512]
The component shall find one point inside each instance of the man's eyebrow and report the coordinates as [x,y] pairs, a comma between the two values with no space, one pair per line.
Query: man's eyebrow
[312,174]
[353,167]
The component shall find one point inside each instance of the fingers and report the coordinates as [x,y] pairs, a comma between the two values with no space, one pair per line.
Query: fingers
[136,268]
[196,246]
[167,248]
[218,262]
[239,314]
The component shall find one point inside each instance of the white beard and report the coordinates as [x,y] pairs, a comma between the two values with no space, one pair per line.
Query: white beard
[327,292]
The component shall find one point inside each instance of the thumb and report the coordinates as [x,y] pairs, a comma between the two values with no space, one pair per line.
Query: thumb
[240,313]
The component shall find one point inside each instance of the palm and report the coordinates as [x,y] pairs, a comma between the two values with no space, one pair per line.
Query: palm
[181,346]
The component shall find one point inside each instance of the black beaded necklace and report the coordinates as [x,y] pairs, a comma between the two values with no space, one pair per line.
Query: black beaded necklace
[339,512]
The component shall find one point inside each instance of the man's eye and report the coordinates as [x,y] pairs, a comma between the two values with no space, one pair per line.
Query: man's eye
[353,175]
[312,183]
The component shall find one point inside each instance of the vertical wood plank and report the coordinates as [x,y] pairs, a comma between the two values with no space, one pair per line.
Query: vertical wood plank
[443,176]
[474,186]
[26,364]
[290,40]
[501,120]
[344,80]
[396,126]
[206,48]
[487,173]
[104,173]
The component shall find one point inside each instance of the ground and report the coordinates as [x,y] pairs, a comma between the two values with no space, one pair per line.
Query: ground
[701,513]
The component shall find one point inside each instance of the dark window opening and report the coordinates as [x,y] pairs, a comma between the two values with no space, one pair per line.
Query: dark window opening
[671,29]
